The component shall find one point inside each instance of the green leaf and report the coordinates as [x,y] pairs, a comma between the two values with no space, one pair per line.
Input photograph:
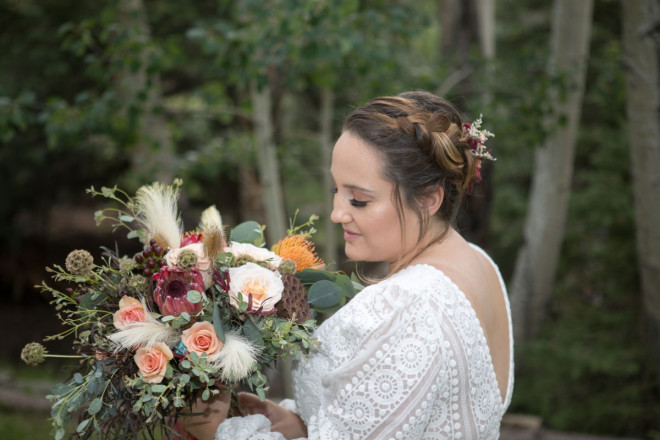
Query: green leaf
[324,294]
[217,323]
[82,425]
[78,378]
[95,406]
[346,285]
[90,301]
[206,394]
[184,378]
[248,232]
[158,388]
[252,333]
[194,296]
[167,318]
[185,316]
[186,364]
[126,218]
[311,276]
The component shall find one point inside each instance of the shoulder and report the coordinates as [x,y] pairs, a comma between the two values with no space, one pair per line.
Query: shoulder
[416,286]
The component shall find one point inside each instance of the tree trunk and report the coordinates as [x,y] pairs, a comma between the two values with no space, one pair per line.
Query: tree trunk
[153,155]
[326,141]
[268,163]
[534,273]
[642,54]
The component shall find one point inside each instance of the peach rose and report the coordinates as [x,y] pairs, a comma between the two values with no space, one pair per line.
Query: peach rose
[130,310]
[152,361]
[201,338]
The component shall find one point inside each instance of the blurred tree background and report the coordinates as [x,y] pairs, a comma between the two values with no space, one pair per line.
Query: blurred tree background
[243,100]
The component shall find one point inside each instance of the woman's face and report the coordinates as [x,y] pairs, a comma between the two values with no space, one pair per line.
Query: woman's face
[364,206]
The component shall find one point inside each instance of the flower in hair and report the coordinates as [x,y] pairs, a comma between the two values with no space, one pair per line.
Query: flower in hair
[476,138]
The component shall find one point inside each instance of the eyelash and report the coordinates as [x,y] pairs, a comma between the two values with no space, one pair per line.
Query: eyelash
[358,203]
[353,202]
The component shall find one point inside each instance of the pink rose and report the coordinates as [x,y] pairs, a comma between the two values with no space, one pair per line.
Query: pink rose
[152,361]
[130,310]
[201,338]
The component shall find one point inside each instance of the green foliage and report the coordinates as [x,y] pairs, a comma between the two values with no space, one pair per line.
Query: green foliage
[589,370]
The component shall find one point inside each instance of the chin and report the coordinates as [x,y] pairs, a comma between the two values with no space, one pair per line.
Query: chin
[356,255]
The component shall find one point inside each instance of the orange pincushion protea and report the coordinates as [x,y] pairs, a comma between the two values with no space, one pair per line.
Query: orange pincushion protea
[300,250]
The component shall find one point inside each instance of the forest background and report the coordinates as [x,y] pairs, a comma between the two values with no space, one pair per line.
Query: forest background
[243,100]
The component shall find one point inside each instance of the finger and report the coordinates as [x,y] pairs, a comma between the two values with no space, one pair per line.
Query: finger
[250,404]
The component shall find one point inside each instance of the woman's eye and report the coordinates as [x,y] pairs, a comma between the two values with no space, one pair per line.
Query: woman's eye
[358,203]
[333,190]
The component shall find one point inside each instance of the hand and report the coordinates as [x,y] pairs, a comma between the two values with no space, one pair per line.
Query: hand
[282,420]
[214,411]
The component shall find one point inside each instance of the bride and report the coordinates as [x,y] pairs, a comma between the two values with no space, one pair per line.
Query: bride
[427,352]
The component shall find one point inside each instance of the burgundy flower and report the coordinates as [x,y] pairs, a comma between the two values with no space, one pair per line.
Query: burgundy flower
[173,284]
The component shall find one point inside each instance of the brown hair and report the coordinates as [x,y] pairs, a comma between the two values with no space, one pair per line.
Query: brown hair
[419,138]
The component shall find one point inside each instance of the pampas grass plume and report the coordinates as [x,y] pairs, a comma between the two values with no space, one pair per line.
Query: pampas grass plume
[210,219]
[157,209]
[236,359]
[145,334]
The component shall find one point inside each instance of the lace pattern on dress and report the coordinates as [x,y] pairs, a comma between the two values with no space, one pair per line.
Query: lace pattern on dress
[399,362]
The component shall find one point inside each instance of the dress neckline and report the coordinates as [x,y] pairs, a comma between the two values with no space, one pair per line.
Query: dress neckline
[482,334]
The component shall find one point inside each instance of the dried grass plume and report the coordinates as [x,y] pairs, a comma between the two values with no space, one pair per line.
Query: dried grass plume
[157,209]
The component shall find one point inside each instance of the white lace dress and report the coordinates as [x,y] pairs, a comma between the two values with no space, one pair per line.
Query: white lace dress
[405,359]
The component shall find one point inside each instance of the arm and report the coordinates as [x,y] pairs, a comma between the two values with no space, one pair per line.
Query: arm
[389,383]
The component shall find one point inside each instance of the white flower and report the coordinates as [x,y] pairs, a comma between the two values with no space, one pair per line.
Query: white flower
[253,252]
[264,286]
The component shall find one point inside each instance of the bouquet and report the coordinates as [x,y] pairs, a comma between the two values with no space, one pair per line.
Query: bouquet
[186,317]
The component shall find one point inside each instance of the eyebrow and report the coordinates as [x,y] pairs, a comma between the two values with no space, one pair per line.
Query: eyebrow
[350,186]
[359,188]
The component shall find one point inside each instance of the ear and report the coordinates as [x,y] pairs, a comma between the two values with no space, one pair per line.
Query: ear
[434,200]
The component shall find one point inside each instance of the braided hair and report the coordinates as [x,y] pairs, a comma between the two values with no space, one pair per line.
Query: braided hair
[419,139]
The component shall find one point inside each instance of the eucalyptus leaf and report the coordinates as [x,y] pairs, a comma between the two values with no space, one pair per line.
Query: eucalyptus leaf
[194,296]
[126,218]
[252,333]
[324,294]
[311,276]
[82,425]
[95,406]
[206,394]
[158,388]
[90,301]
[247,232]
[346,284]
[78,378]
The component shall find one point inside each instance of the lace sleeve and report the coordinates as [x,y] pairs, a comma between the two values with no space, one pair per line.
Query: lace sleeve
[399,378]
[389,387]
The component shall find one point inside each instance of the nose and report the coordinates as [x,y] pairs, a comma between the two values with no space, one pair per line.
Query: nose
[339,213]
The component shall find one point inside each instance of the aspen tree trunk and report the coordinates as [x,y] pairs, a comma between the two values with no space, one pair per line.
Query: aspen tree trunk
[154,153]
[268,163]
[642,55]
[326,143]
[536,264]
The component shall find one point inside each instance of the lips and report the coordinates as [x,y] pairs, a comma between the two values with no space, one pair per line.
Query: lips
[349,236]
